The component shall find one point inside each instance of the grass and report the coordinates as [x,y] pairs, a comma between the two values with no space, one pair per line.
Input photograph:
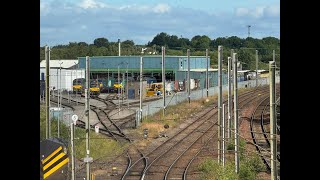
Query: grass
[175,115]
[249,167]
[100,146]
[213,171]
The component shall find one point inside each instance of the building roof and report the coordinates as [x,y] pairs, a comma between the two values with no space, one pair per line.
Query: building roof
[66,63]
[199,70]
[243,71]
[155,56]
[262,70]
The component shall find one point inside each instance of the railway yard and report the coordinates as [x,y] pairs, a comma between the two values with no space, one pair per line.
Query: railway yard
[174,152]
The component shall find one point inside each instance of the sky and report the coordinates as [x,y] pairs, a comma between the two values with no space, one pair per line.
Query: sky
[64,21]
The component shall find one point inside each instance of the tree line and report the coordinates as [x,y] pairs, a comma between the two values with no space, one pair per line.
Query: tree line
[244,47]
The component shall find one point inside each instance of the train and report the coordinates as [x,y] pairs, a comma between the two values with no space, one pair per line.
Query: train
[79,86]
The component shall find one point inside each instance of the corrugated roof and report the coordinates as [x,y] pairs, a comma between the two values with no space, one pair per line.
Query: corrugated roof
[66,63]
[199,70]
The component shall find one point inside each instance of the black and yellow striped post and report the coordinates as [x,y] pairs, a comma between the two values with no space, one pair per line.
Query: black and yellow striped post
[55,161]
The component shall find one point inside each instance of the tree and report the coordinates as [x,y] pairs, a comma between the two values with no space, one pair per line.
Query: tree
[101,42]
[184,42]
[246,58]
[200,42]
[128,43]
[82,44]
[160,39]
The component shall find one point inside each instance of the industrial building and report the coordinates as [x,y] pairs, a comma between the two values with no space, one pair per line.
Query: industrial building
[176,68]
[62,73]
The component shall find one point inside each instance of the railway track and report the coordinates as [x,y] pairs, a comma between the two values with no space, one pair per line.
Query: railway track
[179,168]
[110,129]
[192,131]
[259,132]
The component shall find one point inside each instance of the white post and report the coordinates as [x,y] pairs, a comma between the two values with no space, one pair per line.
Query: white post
[87,113]
[236,131]
[189,90]
[273,129]
[229,98]
[223,135]
[164,80]
[220,57]
[207,73]
[141,90]
[48,128]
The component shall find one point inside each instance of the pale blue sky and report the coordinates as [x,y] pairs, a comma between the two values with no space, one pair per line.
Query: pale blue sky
[67,21]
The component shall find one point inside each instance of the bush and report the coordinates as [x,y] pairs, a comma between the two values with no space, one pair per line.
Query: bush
[250,166]
[248,170]
[230,146]
[213,171]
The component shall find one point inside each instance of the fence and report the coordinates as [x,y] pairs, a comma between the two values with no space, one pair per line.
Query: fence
[155,106]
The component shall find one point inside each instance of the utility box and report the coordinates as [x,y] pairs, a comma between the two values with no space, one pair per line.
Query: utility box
[131,94]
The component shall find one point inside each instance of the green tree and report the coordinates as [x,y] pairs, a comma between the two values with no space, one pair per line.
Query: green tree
[160,39]
[101,42]
[200,42]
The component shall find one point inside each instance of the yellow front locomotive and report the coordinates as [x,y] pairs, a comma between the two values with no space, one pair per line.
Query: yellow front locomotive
[94,88]
[79,86]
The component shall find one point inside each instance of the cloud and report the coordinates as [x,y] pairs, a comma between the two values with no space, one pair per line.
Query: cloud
[61,23]
[91,4]
[161,8]
[258,12]
[44,8]
[83,27]
[272,11]
[241,11]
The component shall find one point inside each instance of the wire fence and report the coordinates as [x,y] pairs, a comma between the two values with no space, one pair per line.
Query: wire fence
[156,106]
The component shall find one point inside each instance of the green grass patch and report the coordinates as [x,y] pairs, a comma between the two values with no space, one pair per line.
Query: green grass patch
[100,146]
[249,167]
[213,171]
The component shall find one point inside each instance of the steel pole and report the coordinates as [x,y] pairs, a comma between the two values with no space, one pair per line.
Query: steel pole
[118,89]
[257,60]
[220,48]
[127,85]
[229,98]
[122,88]
[236,131]
[119,47]
[58,100]
[108,81]
[59,105]
[273,130]
[87,94]
[163,80]
[223,135]
[73,170]
[48,131]
[207,73]
[188,54]
[141,90]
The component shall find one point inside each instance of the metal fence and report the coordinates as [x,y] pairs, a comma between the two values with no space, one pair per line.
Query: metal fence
[156,106]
